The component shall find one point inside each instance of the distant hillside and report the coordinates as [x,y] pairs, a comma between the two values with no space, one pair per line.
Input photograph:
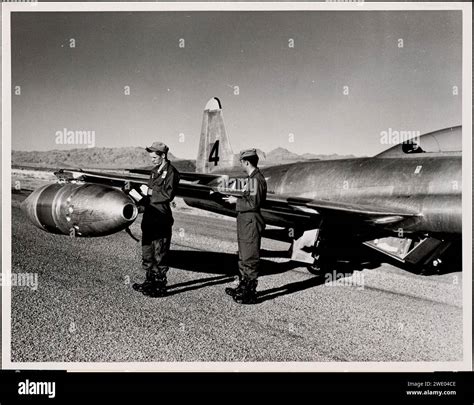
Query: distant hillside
[282,155]
[310,156]
[98,158]
[136,157]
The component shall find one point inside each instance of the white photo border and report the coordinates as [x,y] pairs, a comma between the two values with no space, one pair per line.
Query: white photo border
[464,365]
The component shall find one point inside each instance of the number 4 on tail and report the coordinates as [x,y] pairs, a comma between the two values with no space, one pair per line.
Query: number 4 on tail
[214,155]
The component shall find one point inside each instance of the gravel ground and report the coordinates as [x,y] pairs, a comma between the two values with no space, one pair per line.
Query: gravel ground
[84,309]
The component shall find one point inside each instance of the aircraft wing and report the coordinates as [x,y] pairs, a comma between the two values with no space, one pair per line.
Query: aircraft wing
[209,187]
[136,176]
[373,214]
[107,178]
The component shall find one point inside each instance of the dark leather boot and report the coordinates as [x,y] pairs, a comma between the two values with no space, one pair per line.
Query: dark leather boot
[248,295]
[146,284]
[236,290]
[158,286]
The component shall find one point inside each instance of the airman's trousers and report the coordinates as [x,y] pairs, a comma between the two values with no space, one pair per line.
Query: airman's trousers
[250,226]
[154,255]
[156,239]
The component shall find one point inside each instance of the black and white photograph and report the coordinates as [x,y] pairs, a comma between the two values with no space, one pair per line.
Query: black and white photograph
[222,187]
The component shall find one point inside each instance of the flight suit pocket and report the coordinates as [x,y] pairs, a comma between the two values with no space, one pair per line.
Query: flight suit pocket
[260,224]
[158,185]
[246,228]
[158,182]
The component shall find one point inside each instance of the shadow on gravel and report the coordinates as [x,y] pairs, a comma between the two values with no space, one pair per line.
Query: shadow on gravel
[271,293]
[338,271]
[223,263]
[197,284]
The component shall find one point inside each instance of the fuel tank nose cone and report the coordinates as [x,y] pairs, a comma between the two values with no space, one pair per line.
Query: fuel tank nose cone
[93,209]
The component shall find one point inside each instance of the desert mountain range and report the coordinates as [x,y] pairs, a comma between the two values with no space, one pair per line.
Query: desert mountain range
[136,157]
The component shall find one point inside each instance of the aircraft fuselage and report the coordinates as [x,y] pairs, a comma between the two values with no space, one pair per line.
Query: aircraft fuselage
[428,184]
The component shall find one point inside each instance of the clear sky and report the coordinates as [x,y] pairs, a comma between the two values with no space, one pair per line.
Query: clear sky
[282,89]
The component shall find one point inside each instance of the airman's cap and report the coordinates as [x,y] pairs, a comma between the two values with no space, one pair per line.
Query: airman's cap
[248,153]
[158,147]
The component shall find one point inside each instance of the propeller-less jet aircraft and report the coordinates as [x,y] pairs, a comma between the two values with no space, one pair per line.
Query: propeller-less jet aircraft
[405,202]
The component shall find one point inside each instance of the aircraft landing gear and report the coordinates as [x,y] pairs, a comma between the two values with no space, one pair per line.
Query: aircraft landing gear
[317,268]
[322,260]
[302,249]
[311,248]
[445,257]
[432,268]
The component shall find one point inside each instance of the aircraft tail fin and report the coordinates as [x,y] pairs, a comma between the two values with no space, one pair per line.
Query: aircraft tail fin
[215,152]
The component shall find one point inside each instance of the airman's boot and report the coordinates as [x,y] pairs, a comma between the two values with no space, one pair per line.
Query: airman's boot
[248,294]
[158,286]
[146,284]
[236,290]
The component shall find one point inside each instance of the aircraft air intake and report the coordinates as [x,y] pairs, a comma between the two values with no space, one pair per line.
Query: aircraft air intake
[80,209]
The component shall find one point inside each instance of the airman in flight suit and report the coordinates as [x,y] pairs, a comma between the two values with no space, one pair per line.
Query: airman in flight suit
[250,226]
[157,221]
